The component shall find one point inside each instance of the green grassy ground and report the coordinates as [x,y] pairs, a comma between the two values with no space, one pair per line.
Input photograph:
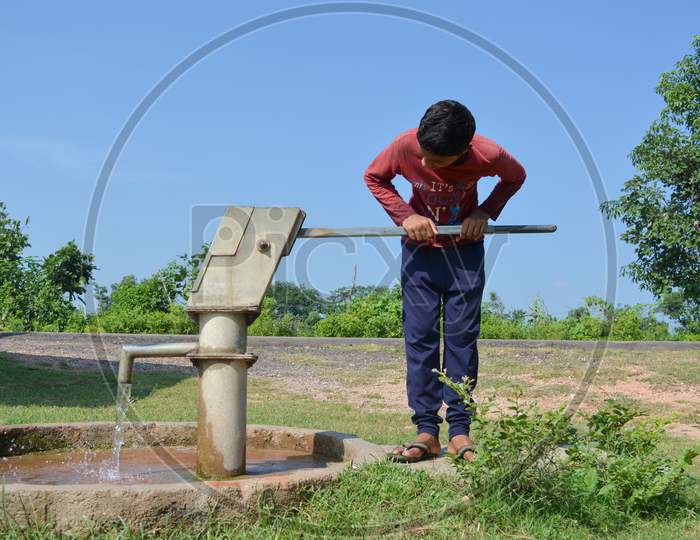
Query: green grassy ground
[37,394]
[379,500]
[388,501]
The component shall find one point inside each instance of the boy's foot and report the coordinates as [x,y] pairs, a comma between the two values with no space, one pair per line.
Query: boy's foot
[461,444]
[432,442]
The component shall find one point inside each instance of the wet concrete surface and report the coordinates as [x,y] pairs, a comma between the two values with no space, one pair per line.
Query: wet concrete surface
[162,465]
[156,490]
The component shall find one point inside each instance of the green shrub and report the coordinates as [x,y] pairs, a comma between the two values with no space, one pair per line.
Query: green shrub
[584,327]
[174,321]
[379,314]
[74,321]
[627,325]
[552,329]
[267,324]
[499,327]
[132,295]
[689,337]
[602,476]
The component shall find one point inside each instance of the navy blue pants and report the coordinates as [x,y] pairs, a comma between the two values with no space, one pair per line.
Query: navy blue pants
[450,280]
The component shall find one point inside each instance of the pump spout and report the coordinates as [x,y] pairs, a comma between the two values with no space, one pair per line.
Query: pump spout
[131,352]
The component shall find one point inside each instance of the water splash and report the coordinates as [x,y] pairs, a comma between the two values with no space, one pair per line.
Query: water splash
[123,398]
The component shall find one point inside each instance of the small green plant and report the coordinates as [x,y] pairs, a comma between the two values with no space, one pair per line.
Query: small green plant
[601,475]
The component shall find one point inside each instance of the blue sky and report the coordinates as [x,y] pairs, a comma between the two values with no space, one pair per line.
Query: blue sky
[292,114]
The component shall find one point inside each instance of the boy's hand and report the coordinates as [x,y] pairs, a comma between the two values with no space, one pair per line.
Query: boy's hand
[474,225]
[419,227]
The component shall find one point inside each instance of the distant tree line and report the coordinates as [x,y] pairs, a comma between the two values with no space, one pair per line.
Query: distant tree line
[45,294]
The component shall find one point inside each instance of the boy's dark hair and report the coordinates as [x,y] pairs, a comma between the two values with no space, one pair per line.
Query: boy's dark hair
[447,128]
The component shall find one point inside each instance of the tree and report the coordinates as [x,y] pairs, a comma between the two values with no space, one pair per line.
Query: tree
[13,241]
[33,291]
[339,299]
[681,309]
[660,205]
[537,313]
[168,287]
[39,302]
[183,274]
[70,269]
[494,306]
[300,301]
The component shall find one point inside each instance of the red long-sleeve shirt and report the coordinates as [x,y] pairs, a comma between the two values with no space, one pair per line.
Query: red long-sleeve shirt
[446,195]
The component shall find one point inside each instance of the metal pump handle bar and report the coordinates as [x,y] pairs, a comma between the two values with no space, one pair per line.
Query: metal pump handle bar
[400,231]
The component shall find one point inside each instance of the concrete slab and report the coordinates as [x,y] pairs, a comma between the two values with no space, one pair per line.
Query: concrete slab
[75,507]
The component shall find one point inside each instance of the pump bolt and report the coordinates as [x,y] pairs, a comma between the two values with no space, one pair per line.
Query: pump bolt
[263,245]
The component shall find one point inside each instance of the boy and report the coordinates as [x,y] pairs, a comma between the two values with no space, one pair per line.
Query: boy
[443,159]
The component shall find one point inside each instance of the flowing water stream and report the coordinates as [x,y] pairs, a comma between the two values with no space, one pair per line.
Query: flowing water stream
[123,398]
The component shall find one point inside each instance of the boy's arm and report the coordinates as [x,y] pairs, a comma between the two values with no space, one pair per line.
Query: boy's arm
[511,176]
[378,177]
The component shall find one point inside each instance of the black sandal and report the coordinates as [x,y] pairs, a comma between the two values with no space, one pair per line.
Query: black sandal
[400,458]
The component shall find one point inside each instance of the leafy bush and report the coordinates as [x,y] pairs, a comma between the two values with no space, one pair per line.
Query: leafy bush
[602,476]
[173,321]
[147,295]
[597,319]
[271,323]
[379,314]
[153,305]
[495,327]
[627,325]
[584,327]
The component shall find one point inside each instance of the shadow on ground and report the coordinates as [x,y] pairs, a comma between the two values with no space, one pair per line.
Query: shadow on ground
[31,380]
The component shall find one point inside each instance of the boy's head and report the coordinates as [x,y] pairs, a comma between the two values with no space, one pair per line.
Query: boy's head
[444,134]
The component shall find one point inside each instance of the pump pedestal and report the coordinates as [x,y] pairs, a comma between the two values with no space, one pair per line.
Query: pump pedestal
[225,299]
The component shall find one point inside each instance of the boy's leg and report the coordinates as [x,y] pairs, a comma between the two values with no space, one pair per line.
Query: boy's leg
[422,299]
[461,327]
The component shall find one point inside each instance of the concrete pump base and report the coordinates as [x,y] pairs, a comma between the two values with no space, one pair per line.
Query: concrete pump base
[78,506]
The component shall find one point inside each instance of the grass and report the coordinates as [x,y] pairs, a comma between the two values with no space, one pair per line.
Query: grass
[370,373]
[384,500]
[308,360]
[393,350]
[170,396]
